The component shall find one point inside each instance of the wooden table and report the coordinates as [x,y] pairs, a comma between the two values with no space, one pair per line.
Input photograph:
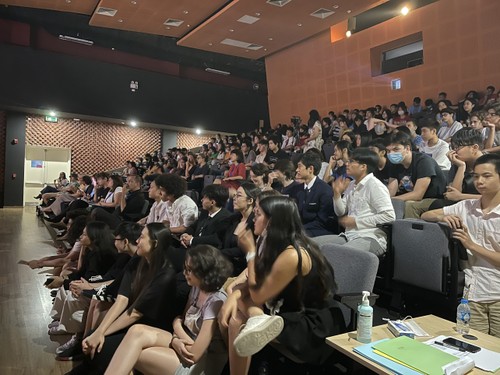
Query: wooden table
[433,325]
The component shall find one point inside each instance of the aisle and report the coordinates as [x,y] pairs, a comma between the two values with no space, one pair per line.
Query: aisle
[24,301]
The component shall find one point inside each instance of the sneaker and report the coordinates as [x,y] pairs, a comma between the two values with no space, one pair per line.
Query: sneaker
[72,354]
[58,330]
[258,332]
[53,323]
[72,343]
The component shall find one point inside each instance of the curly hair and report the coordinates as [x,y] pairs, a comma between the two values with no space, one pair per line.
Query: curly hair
[209,265]
[172,184]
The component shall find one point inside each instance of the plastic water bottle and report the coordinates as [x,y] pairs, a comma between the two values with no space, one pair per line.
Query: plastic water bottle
[463,316]
[365,320]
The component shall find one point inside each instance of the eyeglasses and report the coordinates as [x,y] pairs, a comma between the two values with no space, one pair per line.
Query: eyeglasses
[458,148]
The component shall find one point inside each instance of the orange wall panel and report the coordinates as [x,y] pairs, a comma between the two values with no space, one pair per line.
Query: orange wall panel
[461,53]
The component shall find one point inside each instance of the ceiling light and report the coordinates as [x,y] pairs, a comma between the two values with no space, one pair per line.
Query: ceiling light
[198,131]
[257,14]
[231,30]
[120,20]
[405,10]
[217,71]
[133,2]
[73,39]
[348,33]
[349,11]
[335,6]
[52,113]
[185,12]
[270,38]
[299,25]
[133,123]
[210,44]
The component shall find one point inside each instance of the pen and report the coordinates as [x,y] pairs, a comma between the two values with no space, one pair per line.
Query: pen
[449,346]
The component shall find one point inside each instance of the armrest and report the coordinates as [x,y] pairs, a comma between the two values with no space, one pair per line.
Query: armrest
[353,300]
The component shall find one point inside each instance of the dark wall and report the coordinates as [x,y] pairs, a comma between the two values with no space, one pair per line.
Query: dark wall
[14,159]
[40,79]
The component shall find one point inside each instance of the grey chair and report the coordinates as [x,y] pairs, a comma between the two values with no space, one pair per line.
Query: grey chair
[355,271]
[426,263]
[208,179]
[399,208]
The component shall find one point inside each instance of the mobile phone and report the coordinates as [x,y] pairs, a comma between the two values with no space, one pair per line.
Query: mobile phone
[48,281]
[461,345]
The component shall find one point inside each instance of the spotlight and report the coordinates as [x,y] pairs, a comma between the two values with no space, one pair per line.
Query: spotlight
[348,33]
[198,131]
[405,10]
[52,113]
[133,123]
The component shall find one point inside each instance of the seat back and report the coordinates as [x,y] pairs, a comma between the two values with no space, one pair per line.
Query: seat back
[208,179]
[354,270]
[399,208]
[328,150]
[421,253]
[193,194]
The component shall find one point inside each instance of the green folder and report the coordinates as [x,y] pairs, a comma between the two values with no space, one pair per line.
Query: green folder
[415,354]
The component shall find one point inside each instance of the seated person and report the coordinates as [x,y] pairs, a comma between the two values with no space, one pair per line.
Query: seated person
[157,211]
[101,187]
[131,204]
[314,197]
[147,295]
[113,196]
[433,146]
[71,187]
[449,125]
[259,175]
[270,297]
[197,178]
[248,154]
[382,171]
[60,183]
[274,153]
[492,144]
[181,211]
[289,141]
[482,271]
[195,346]
[361,205]
[282,177]
[466,147]
[414,177]
[85,191]
[263,149]
[336,166]
[213,222]
[236,174]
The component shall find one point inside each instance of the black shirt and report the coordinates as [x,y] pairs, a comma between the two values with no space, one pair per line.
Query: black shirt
[467,183]
[273,157]
[421,166]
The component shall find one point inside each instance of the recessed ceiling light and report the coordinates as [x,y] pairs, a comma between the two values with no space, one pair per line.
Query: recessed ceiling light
[112,48]
[349,11]
[270,38]
[120,20]
[257,14]
[185,12]
[335,6]
[405,10]
[198,131]
[265,49]
[52,113]
[188,25]
[348,33]
[133,123]
[168,27]
[68,1]
[231,30]
[76,119]
[133,2]
[210,44]
[299,25]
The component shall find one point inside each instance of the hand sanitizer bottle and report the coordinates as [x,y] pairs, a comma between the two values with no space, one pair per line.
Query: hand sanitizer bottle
[365,320]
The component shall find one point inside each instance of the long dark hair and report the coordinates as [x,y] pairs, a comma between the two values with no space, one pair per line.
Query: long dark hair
[101,238]
[159,260]
[285,229]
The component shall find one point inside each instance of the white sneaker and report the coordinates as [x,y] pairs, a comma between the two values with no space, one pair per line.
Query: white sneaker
[258,332]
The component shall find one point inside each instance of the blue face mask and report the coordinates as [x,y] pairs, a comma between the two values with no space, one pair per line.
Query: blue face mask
[395,157]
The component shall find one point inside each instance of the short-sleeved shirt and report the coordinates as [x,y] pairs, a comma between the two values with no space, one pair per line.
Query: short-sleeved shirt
[437,152]
[482,279]
[446,131]
[208,311]
[421,166]
[183,212]
[272,157]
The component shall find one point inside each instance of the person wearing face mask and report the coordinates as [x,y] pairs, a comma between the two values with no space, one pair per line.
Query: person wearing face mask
[414,177]
[402,116]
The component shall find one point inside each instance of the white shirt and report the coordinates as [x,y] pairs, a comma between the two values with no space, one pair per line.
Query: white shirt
[438,153]
[110,197]
[183,212]
[482,279]
[310,184]
[446,131]
[157,212]
[369,202]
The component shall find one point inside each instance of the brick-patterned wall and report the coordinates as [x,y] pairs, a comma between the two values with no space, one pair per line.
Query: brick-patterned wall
[95,146]
[189,140]
[3,130]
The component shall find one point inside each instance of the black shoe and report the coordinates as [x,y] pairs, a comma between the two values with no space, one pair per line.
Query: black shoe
[53,293]
[74,353]
[39,196]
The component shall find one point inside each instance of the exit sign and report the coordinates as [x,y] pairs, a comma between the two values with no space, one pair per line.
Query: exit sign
[51,119]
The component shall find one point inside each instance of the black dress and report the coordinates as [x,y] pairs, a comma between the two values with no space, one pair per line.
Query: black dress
[309,318]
